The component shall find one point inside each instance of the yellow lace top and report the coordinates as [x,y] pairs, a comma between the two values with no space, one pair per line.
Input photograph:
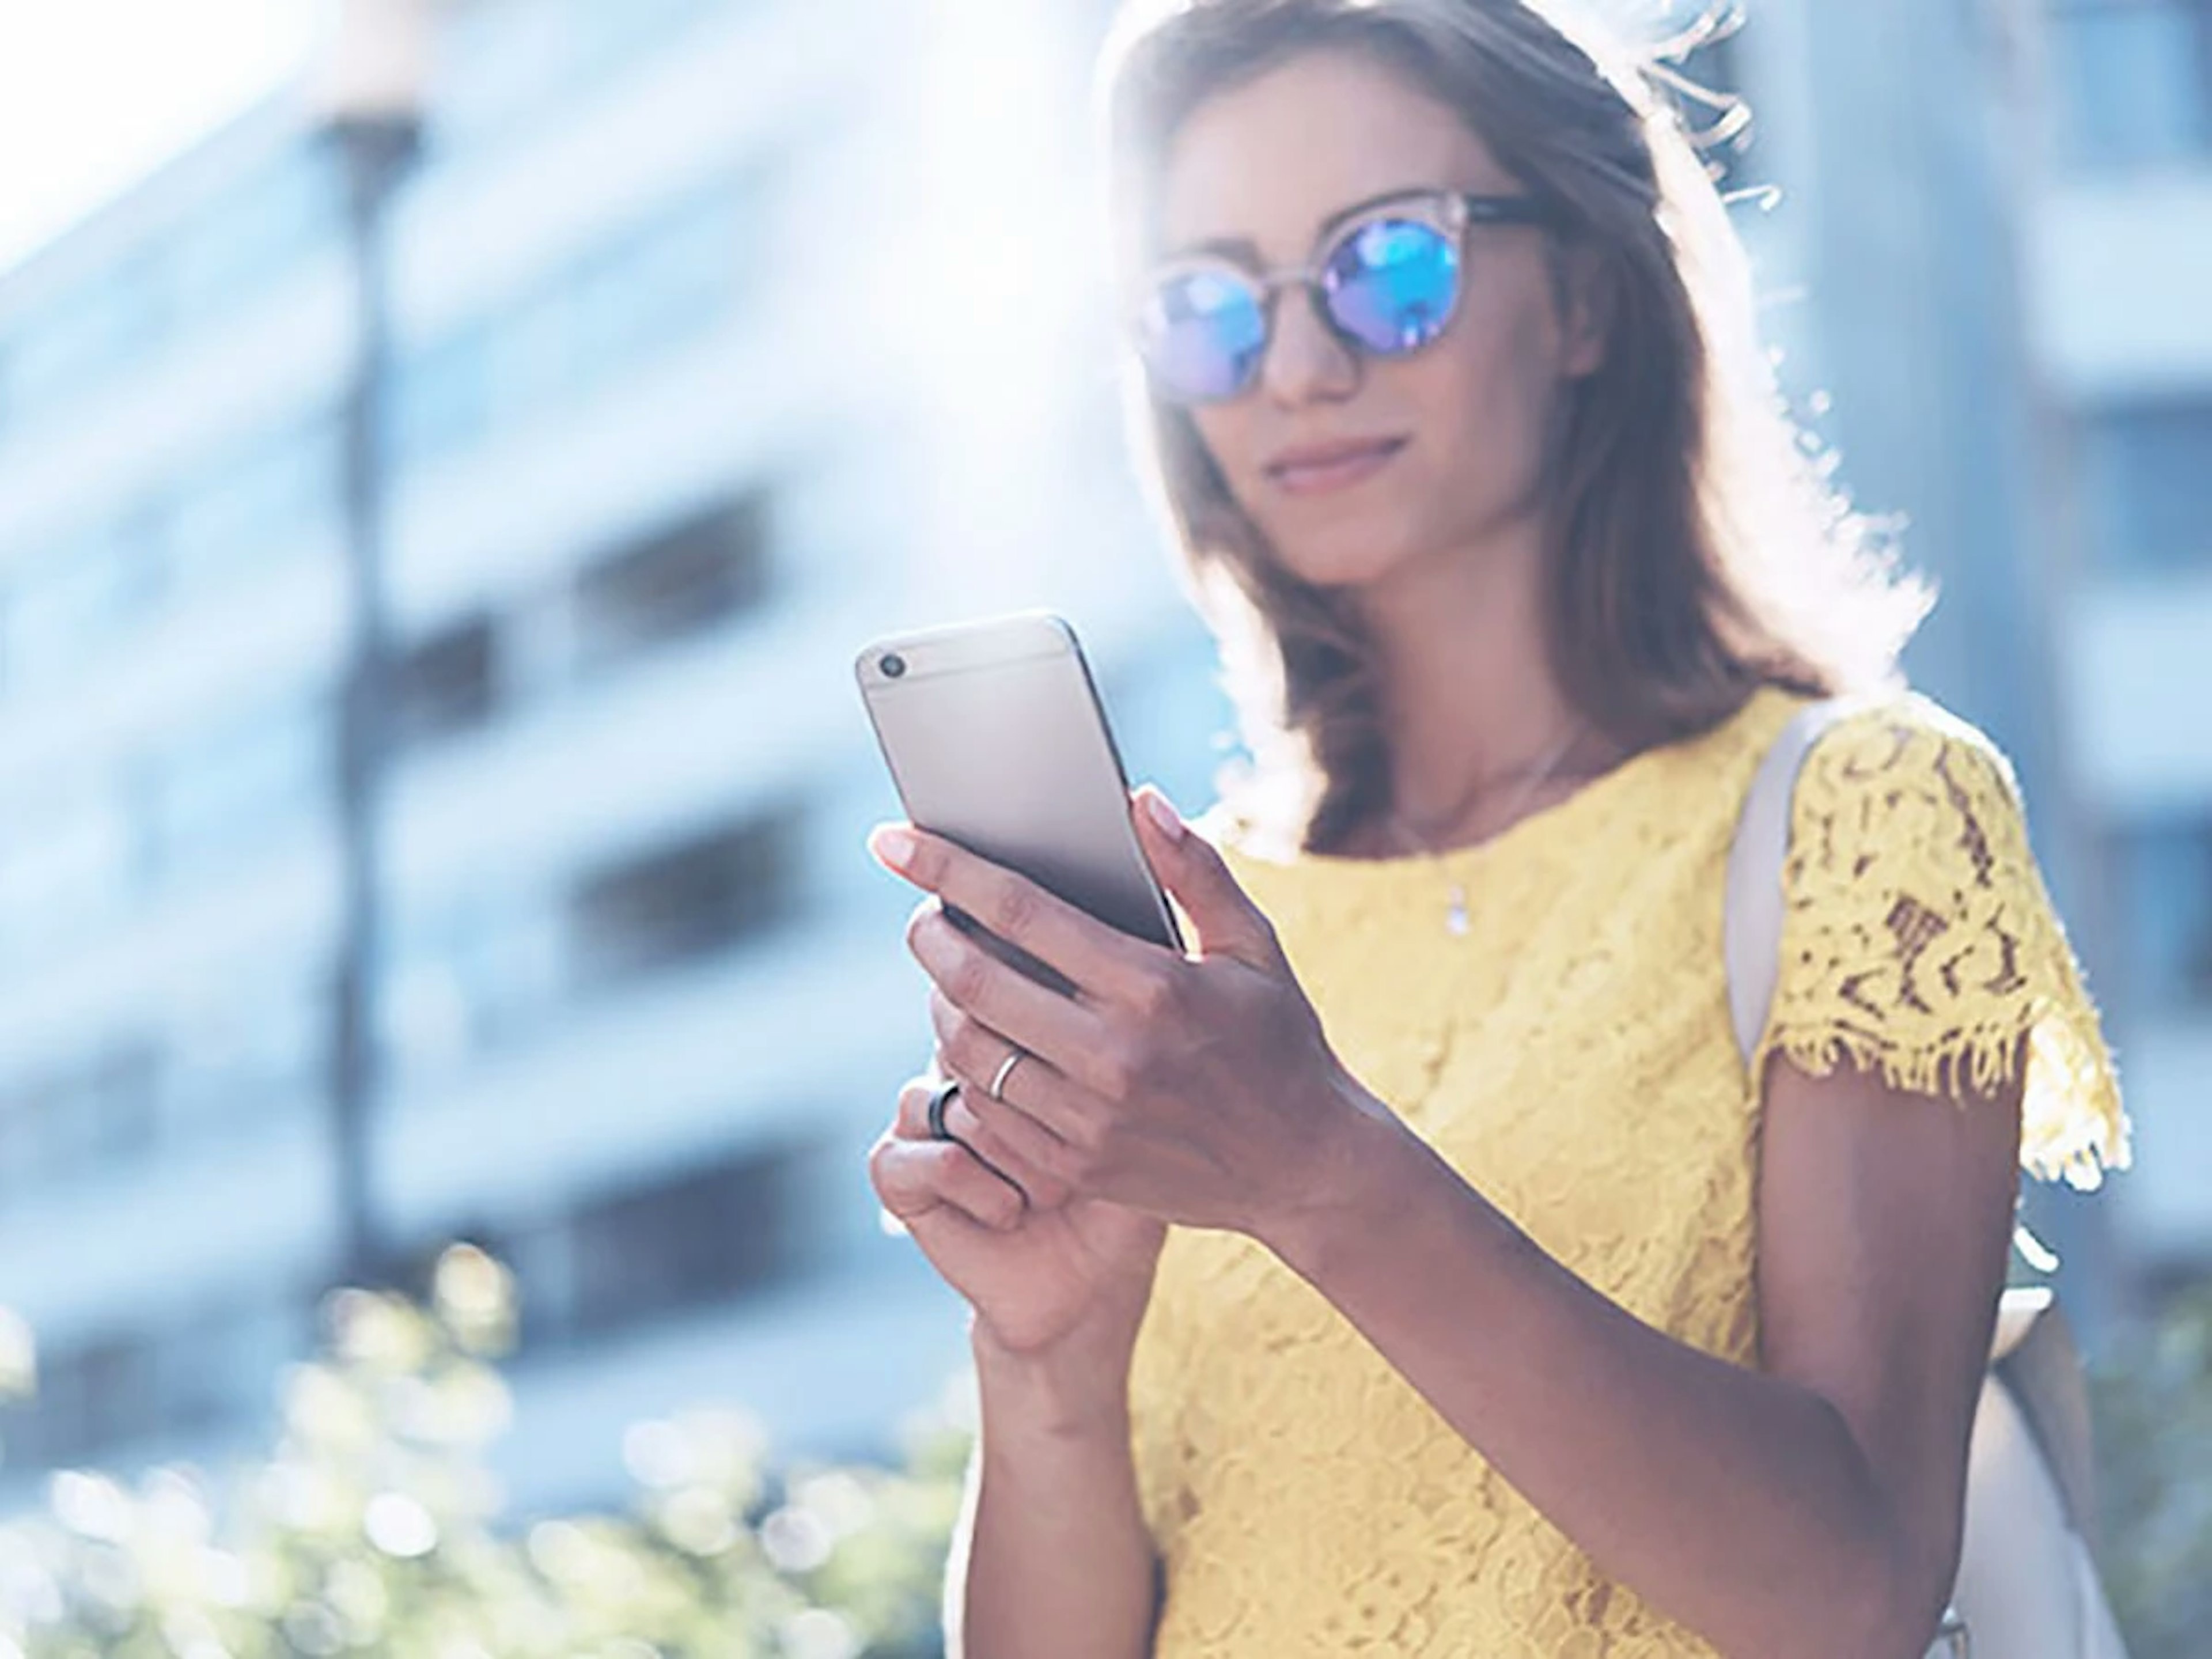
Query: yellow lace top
[1571,1055]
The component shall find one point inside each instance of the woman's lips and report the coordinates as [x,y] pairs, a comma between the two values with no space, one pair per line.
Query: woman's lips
[1319,469]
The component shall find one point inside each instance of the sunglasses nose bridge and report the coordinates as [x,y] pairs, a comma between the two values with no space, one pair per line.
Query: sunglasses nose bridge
[1309,278]
[1322,355]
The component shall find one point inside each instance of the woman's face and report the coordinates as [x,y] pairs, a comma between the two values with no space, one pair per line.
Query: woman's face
[1353,466]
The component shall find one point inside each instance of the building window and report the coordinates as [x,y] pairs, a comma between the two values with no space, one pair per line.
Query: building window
[235,787]
[441,400]
[673,276]
[699,1239]
[2134,80]
[179,1376]
[74,599]
[90,1398]
[256,1045]
[215,1370]
[25,1113]
[70,864]
[256,231]
[113,1102]
[623,1260]
[680,903]
[87,335]
[687,577]
[87,595]
[90,1115]
[20,1109]
[2146,486]
[446,684]
[657,283]
[135,1092]
[225,254]
[2164,882]
[474,979]
[255,502]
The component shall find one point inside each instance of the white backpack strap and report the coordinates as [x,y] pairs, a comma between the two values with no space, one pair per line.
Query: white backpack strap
[1751,922]
[2037,1385]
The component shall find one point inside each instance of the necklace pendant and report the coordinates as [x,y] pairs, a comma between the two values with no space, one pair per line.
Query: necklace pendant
[1456,913]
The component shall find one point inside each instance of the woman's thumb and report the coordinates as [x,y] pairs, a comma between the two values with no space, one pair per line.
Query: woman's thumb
[1195,876]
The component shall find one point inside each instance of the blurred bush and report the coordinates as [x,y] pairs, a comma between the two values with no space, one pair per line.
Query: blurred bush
[375,1527]
[2152,1396]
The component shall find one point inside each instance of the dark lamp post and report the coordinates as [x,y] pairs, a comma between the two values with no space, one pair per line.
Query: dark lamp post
[365,102]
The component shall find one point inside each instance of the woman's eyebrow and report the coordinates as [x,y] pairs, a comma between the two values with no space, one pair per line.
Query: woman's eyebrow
[1367,202]
[1242,249]
[1245,251]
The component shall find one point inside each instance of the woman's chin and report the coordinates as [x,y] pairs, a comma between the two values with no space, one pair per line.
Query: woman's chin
[1340,561]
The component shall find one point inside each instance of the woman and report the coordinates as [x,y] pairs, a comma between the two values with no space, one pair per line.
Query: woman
[1415,1268]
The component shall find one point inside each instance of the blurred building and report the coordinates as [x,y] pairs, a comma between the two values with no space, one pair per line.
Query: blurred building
[2119,271]
[724,336]
[719,342]
[1889,259]
[1988,275]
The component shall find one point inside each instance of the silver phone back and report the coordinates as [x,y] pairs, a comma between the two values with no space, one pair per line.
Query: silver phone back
[996,739]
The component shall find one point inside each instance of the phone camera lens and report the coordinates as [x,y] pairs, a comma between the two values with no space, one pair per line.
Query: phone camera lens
[893,666]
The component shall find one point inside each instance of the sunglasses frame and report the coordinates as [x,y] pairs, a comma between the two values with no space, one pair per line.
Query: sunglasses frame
[1458,211]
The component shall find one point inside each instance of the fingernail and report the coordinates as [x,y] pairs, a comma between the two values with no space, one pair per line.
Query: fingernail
[894,845]
[1169,821]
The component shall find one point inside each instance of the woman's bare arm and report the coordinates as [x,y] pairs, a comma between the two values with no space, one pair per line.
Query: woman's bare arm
[1809,1509]
[1051,1555]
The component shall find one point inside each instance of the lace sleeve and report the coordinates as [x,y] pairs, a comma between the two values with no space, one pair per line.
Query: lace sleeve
[1918,939]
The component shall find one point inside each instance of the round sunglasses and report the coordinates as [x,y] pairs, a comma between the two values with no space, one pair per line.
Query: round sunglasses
[1388,283]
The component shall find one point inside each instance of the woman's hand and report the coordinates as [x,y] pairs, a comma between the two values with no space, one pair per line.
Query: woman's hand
[1198,1089]
[1035,1277]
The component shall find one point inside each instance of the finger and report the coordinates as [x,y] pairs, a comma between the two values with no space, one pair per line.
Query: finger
[915,1180]
[1227,920]
[1012,1144]
[1043,1022]
[912,1119]
[1097,958]
[968,1048]
[912,1123]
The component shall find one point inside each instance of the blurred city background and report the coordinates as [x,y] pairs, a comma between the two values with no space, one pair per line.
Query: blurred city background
[440,502]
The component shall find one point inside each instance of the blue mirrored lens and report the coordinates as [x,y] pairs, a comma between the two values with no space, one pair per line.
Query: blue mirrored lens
[1203,334]
[1392,284]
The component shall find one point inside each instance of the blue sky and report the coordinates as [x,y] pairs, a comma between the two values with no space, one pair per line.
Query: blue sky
[94,93]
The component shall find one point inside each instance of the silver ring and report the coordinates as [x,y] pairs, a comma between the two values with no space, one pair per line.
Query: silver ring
[999,1083]
[939,1098]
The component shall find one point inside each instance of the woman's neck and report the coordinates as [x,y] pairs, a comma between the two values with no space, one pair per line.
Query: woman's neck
[1470,704]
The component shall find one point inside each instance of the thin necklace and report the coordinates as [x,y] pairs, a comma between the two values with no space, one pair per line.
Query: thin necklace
[1455,910]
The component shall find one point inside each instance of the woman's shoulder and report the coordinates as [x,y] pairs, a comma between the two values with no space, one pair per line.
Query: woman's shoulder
[1908,720]
[1870,748]
[1898,803]
[1876,753]
[1919,937]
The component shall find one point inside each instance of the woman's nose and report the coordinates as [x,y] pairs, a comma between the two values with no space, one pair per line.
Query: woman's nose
[1306,362]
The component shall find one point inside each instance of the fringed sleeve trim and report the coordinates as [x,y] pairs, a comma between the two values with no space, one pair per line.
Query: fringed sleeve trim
[1919,941]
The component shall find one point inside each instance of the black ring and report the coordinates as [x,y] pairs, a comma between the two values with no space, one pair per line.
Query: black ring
[939,1098]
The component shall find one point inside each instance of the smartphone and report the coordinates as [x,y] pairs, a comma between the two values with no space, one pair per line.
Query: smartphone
[996,739]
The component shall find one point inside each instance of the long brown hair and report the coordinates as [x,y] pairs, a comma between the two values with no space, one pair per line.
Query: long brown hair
[1700,549]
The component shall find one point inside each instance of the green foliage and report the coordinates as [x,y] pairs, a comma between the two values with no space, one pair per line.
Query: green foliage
[375,1527]
[2153,1398]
